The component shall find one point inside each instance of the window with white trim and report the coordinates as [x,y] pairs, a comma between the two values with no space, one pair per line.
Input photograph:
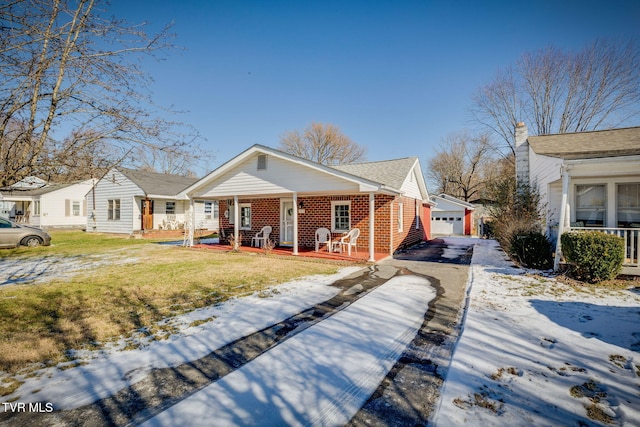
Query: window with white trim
[340,216]
[245,216]
[36,207]
[113,210]
[628,205]
[591,205]
[75,210]
[170,208]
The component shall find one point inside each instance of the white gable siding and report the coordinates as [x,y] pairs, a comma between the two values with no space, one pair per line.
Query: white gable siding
[114,186]
[446,205]
[56,208]
[280,177]
[410,187]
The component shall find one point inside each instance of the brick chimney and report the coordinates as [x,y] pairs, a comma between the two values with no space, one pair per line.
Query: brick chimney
[522,152]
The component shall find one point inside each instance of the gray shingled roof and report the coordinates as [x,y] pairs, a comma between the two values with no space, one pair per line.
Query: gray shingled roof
[391,173]
[35,191]
[158,183]
[586,145]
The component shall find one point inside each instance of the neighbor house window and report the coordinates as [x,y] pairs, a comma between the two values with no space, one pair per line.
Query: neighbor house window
[211,210]
[400,217]
[340,216]
[76,208]
[113,209]
[170,208]
[36,207]
[628,205]
[245,216]
[591,205]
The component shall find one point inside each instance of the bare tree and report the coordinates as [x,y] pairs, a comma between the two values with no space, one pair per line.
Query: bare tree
[322,143]
[558,92]
[462,165]
[171,161]
[65,66]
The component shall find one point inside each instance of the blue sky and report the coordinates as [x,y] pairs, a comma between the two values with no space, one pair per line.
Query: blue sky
[395,76]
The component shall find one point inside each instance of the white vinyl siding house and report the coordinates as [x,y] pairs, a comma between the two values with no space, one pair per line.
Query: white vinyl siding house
[131,190]
[596,174]
[51,205]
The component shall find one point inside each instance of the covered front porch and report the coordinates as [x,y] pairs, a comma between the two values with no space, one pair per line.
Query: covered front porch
[323,254]
[293,220]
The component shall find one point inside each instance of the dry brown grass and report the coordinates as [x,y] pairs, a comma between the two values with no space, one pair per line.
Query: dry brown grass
[40,322]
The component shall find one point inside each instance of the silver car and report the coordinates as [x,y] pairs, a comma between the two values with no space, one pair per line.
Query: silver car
[13,235]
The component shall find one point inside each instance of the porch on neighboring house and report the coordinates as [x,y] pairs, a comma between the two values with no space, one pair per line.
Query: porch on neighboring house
[631,236]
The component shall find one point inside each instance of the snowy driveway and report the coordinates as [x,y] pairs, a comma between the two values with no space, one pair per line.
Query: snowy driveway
[321,376]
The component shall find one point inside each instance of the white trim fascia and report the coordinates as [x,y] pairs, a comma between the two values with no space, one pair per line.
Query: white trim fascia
[455,201]
[164,196]
[365,185]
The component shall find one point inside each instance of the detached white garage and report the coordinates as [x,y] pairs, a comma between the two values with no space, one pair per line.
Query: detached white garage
[451,216]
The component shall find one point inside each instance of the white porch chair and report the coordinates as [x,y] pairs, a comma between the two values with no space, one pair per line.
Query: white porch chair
[348,240]
[323,237]
[261,237]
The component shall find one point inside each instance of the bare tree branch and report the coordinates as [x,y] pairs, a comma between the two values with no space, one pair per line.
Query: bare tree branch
[66,68]
[558,92]
[322,143]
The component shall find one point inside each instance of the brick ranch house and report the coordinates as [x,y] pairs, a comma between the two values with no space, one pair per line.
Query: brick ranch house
[386,200]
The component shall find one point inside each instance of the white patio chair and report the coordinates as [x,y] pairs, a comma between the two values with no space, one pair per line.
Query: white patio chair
[348,240]
[323,237]
[261,237]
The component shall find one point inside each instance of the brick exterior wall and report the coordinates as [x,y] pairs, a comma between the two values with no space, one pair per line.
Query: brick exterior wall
[317,213]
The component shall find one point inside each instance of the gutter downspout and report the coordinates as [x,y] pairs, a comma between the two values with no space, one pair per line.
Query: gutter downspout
[563,214]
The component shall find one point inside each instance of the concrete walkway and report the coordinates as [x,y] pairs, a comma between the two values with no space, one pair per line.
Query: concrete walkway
[320,376]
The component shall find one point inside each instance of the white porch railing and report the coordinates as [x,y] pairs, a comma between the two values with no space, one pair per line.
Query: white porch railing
[631,237]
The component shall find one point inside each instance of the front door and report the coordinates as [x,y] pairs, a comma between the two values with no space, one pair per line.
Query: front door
[147,214]
[286,222]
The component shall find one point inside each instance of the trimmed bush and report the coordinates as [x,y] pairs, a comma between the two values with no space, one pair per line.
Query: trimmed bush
[531,249]
[594,256]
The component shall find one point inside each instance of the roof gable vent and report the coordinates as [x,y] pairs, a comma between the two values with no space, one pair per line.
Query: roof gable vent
[262,162]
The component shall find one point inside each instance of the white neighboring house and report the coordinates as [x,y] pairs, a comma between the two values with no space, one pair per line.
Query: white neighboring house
[35,202]
[451,215]
[127,201]
[587,181]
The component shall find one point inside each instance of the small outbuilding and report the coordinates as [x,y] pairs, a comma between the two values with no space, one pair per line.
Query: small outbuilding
[451,216]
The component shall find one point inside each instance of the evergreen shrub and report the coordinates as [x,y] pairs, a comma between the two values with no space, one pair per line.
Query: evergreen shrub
[593,256]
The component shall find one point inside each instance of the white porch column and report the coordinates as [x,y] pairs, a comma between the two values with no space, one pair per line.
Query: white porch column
[563,216]
[295,223]
[236,224]
[372,222]
[192,222]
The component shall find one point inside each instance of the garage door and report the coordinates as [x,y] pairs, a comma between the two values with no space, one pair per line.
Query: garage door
[444,222]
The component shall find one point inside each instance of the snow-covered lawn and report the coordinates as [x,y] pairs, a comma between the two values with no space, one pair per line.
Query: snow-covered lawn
[104,372]
[535,351]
